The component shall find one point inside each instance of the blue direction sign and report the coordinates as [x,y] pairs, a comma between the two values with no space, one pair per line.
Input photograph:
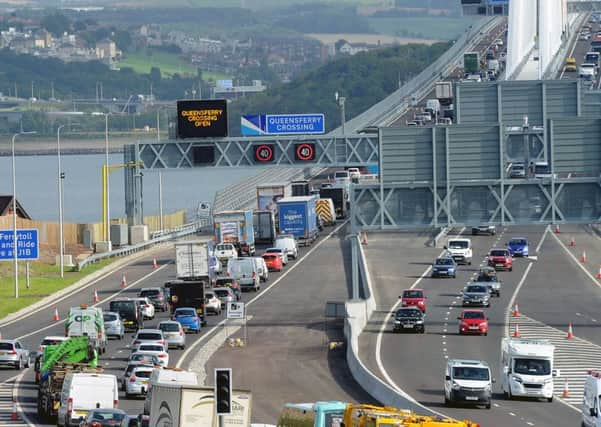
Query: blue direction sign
[283,124]
[27,244]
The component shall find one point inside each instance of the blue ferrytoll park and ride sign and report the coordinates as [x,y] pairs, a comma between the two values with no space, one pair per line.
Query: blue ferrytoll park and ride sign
[27,244]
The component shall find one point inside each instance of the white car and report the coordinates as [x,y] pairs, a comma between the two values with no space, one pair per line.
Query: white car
[212,303]
[157,350]
[138,381]
[225,251]
[147,336]
[146,306]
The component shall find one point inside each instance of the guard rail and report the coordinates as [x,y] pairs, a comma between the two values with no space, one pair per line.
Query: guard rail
[184,230]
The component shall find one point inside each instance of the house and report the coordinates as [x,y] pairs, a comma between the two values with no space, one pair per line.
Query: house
[6,207]
[107,50]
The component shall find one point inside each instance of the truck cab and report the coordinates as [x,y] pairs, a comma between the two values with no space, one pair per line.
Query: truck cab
[527,368]
[460,249]
[318,414]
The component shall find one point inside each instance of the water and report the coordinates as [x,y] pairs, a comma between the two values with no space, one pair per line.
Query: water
[37,188]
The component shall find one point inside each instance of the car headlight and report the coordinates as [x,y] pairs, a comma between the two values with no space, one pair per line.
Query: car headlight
[455,386]
[397,322]
[487,387]
[483,325]
[517,379]
[419,322]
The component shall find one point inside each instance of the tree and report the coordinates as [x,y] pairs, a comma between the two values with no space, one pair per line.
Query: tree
[56,23]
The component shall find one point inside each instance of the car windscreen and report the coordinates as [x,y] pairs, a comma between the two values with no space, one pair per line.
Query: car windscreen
[413,294]
[274,250]
[143,373]
[473,315]
[224,247]
[408,313]
[109,317]
[458,244]
[532,366]
[6,346]
[518,167]
[150,293]
[150,347]
[470,373]
[476,289]
[169,327]
[184,313]
[518,242]
[148,336]
[123,306]
[107,415]
[498,253]
[268,257]
[444,261]
[221,293]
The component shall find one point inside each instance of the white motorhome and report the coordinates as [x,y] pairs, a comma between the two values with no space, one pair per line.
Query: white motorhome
[169,378]
[83,392]
[591,407]
[460,249]
[527,368]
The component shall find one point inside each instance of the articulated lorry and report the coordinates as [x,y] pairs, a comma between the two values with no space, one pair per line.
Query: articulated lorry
[334,413]
[236,227]
[264,226]
[76,354]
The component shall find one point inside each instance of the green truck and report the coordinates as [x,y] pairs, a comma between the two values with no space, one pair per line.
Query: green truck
[76,354]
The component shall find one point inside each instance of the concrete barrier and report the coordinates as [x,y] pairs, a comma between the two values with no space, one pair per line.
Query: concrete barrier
[358,313]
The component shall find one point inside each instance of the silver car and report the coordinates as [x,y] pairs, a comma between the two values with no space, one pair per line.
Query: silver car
[13,354]
[225,295]
[174,334]
[138,381]
[113,325]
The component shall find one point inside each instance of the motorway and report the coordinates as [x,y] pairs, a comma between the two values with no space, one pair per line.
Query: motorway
[579,49]
[415,363]
[286,332]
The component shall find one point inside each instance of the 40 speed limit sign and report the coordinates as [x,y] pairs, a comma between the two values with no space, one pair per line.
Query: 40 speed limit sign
[305,151]
[264,153]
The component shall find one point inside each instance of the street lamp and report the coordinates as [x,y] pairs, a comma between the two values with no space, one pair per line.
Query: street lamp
[60,182]
[14,178]
[106,211]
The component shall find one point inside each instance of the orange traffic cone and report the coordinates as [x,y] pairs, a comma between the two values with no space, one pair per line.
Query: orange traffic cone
[583,257]
[516,312]
[14,416]
[364,239]
[570,331]
[123,281]
[573,242]
[566,390]
[557,230]
[154,263]
[599,273]
[516,332]
[55,317]
[96,299]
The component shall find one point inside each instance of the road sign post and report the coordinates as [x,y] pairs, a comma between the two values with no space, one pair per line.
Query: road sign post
[237,310]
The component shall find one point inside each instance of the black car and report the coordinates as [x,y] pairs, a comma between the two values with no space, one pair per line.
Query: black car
[409,319]
[130,312]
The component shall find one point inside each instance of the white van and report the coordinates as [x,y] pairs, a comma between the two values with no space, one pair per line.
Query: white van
[527,368]
[590,403]
[83,392]
[87,321]
[460,249]
[288,244]
[168,377]
[342,177]
[467,381]
[261,268]
[245,272]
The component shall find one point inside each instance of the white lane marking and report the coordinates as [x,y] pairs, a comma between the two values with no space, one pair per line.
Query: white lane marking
[512,414]
[578,314]
[104,301]
[542,239]
[577,262]
[514,296]
[79,289]
[9,379]
[16,394]
[278,280]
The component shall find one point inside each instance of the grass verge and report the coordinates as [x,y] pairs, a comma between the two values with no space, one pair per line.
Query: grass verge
[44,280]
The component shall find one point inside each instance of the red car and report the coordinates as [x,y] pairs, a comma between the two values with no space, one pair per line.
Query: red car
[273,261]
[414,298]
[500,259]
[473,322]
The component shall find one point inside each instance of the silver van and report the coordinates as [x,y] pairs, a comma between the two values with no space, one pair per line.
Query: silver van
[261,269]
[245,272]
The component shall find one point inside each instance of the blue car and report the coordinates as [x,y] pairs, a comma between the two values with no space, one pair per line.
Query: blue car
[188,318]
[518,246]
[444,267]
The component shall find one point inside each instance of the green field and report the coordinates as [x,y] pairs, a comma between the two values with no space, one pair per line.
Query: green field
[437,28]
[45,280]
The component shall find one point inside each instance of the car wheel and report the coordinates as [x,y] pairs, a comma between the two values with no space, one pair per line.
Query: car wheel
[510,268]
[19,365]
[27,363]
[469,262]
[550,399]
[446,401]
[423,331]
[181,347]
[488,405]
[485,334]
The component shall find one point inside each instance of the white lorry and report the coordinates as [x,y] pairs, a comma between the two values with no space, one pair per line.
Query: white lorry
[192,260]
[460,249]
[87,321]
[527,368]
[591,406]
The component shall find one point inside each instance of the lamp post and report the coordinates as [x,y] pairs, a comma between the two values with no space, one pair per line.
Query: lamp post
[60,178]
[161,200]
[340,100]
[14,179]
